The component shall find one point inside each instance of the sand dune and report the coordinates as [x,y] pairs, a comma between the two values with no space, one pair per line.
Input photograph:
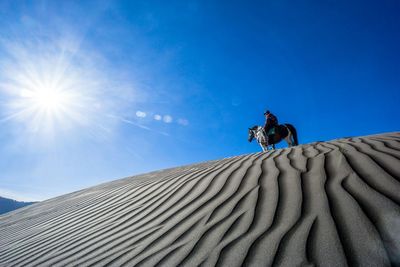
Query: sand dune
[326,204]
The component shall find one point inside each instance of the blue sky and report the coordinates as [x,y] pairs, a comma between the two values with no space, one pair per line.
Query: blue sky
[146,85]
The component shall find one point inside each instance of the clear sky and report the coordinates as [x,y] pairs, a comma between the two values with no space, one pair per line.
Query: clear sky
[93,91]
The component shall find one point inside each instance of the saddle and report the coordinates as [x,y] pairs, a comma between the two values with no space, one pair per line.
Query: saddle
[274,134]
[272,131]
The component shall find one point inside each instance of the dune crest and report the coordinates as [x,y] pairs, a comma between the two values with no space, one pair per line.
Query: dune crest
[331,203]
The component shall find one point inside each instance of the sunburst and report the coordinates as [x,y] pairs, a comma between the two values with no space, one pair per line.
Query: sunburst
[47,92]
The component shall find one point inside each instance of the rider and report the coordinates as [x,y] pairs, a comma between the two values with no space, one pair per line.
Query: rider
[270,121]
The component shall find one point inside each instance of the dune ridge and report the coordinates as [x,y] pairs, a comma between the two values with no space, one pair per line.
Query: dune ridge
[331,203]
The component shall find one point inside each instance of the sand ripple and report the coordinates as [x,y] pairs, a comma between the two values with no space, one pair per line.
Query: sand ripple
[326,204]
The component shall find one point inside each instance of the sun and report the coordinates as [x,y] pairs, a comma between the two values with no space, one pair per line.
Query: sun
[46,108]
[48,98]
[56,90]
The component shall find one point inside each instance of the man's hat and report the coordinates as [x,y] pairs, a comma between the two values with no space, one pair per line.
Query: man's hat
[266,112]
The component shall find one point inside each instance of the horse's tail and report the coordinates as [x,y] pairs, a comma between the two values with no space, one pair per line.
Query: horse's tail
[294,133]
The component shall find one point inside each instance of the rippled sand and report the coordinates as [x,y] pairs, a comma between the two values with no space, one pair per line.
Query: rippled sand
[331,203]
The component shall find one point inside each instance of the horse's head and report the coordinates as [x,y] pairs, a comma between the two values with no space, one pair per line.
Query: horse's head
[252,133]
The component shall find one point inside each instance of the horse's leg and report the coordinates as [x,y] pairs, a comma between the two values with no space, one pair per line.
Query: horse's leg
[289,137]
[262,147]
[288,140]
[266,148]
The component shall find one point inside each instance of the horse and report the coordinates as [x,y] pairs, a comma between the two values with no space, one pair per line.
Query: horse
[284,131]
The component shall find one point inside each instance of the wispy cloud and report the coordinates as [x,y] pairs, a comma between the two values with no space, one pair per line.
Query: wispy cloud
[137,124]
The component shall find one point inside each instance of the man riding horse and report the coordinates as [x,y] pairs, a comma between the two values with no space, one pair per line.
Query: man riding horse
[270,122]
[272,133]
